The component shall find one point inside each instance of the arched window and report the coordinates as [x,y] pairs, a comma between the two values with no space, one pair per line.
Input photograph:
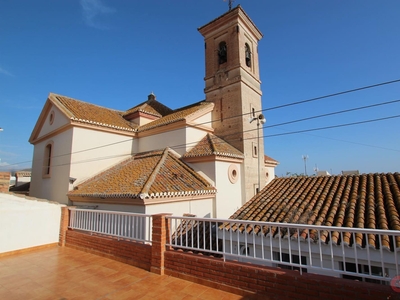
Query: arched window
[222,53]
[248,55]
[47,160]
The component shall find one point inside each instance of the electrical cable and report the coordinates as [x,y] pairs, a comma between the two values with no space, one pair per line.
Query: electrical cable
[282,106]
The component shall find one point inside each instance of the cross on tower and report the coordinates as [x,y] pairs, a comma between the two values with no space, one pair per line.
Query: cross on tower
[230,3]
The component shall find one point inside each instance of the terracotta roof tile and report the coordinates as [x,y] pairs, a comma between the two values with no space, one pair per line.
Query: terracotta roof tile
[151,174]
[92,114]
[269,159]
[178,115]
[357,201]
[213,145]
[151,107]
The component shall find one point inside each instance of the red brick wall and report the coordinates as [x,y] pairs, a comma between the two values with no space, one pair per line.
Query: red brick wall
[273,283]
[240,278]
[4,182]
[133,253]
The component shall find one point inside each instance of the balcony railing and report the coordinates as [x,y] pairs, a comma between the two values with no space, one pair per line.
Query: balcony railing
[361,254]
[122,225]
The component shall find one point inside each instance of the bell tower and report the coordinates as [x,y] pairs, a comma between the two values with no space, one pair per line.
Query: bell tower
[232,83]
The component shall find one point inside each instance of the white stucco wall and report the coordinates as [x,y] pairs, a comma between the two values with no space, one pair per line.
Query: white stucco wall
[203,208]
[55,186]
[180,140]
[27,223]
[271,174]
[94,151]
[59,119]
[229,195]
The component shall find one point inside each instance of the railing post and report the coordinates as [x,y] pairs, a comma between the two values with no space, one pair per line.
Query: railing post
[64,222]
[160,236]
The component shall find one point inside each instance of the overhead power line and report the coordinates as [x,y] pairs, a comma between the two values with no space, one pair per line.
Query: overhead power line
[332,113]
[333,126]
[332,95]
[285,123]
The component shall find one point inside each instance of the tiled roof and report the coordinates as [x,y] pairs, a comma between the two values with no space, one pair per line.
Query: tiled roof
[270,159]
[213,145]
[178,115]
[92,114]
[151,174]
[151,107]
[357,201]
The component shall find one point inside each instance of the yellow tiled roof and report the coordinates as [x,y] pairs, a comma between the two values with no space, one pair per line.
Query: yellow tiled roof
[151,174]
[213,145]
[177,115]
[357,201]
[84,112]
[92,114]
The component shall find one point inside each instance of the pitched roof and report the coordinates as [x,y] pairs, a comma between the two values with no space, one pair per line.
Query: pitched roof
[180,114]
[270,159]
[84,112]
[151,174]
[357,201]
[151,107]
[215,146]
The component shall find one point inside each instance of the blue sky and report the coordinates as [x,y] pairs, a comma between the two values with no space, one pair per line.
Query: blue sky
[115,53]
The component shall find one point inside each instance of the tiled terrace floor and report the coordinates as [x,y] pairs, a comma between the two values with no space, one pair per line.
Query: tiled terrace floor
[64,274]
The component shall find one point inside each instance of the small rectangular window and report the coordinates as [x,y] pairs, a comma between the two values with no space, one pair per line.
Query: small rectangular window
[255,149]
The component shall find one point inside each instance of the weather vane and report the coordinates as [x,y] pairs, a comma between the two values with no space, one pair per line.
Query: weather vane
[230,3]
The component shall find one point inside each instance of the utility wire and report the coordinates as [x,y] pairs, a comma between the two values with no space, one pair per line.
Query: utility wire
[265,136]
[330,127]
[272,108]
[332,113]
[333,95]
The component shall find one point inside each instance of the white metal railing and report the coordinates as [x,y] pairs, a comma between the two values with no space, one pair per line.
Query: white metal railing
[124,225]
[362,254]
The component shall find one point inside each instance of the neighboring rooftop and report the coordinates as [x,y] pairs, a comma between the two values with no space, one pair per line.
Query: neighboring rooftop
[357,201]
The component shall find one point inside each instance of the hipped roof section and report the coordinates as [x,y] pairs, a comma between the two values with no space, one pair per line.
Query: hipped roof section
[150,107]
[212,145]
[187,113]
[153,174]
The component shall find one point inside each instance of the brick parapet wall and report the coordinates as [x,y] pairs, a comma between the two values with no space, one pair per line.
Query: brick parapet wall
[231,276]
[243,278]
[4,182]
[129,252]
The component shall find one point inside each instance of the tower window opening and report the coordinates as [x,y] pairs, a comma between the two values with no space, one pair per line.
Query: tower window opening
[248,55]
[222,53]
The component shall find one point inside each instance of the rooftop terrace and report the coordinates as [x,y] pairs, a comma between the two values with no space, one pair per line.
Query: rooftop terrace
[65,273]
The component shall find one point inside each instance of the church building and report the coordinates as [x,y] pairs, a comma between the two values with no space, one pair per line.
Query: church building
[205,159]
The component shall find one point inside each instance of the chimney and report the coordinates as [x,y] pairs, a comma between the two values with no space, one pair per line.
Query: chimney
[4,182]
